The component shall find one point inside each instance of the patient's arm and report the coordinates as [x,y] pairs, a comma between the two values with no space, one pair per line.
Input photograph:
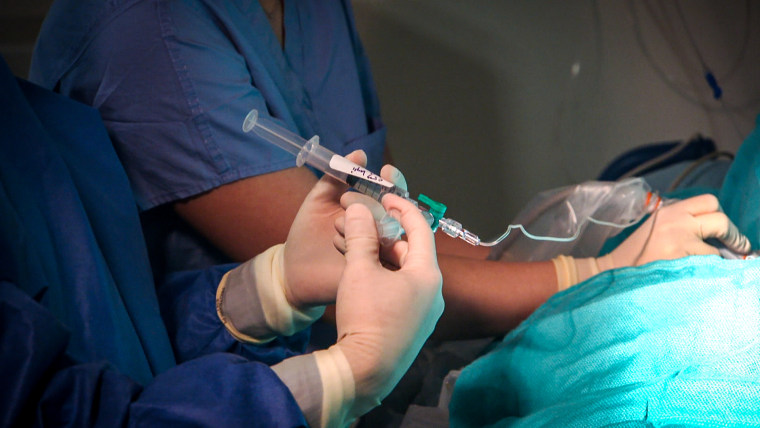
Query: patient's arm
[486,298]
[482,297]
[246,217]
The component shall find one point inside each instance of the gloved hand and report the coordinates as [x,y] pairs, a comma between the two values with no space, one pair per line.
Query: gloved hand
[383,316]
[313,267]
[675,230]
[283,289]
[389,173]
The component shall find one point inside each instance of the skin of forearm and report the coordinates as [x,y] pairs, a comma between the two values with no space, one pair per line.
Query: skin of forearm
[246,217]
[486,298]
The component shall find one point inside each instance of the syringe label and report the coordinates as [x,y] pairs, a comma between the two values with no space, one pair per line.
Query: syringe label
[342,164]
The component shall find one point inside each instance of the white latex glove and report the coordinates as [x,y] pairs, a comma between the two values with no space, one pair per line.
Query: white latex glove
[313,267]
[385,316]
[389,173]
[285,288]
[675,230]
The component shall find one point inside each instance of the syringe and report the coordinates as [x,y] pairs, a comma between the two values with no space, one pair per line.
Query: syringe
[311,153]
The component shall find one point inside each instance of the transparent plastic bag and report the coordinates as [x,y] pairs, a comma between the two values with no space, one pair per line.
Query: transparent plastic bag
[592,212]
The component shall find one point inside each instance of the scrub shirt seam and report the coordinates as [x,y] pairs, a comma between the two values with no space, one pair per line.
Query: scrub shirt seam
[367,84]
[198,116]
[306,104]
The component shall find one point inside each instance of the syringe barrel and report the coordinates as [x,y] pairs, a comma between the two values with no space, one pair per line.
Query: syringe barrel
[356,176]
[273,133]
[315,155]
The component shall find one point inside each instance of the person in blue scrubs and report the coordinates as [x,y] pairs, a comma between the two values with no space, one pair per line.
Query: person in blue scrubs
[173,81]
[88,339]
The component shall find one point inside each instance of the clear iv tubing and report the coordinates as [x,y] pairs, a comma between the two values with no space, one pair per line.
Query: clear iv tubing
[652,203]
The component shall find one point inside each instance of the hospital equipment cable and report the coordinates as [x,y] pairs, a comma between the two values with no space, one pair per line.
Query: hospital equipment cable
[710,78]
[696,164]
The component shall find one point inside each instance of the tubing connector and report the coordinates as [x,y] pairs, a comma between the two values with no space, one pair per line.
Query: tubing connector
[454,229]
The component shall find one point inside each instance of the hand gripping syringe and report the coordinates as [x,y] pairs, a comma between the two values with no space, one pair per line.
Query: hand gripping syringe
[311,153]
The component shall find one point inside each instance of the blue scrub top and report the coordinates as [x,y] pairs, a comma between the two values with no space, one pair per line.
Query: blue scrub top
[173,81]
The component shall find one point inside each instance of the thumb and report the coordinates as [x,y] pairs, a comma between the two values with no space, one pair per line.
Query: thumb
[361,235]
[419,235]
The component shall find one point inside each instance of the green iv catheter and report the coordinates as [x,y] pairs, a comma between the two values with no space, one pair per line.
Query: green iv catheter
[310,152]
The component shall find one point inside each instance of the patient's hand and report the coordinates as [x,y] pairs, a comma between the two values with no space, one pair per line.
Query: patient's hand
[678,230]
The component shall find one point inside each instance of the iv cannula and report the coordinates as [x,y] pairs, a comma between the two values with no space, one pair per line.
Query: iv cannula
[359,178]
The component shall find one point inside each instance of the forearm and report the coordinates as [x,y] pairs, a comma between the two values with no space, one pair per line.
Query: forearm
[485,298]
[246,217]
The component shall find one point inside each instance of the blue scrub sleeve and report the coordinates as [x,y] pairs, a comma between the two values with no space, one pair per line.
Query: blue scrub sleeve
[42,386]
[173,82]
[173,89]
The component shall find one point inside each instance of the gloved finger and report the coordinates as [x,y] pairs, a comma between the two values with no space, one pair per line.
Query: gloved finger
[339,240]
[717,225]
[340,243]
[361,240]
[390,254]
[394,175]
[702,248]
[340,225]
[330,188]
[350,198]
[701,204]
[394,253]
[421,244]
[358,157]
